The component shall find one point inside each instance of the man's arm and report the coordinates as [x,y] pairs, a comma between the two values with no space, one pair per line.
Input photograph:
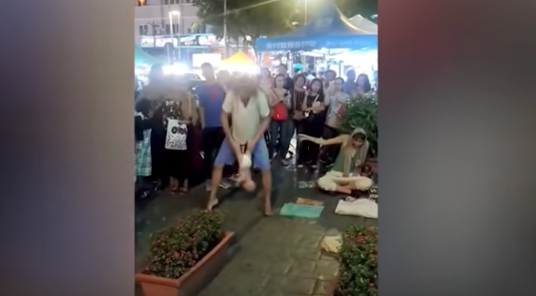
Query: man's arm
[224,117]
[227,108]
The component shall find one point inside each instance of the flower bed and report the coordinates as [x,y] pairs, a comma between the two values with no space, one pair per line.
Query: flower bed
[184,258]
[358,256]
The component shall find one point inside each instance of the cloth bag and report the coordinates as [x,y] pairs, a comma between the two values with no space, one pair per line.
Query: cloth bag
[363,207]
[176,135]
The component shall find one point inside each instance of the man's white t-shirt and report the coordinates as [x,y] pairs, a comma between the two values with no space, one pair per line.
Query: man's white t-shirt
[246,119]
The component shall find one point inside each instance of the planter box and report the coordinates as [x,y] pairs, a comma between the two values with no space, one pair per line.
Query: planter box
[333,286]
[194,280]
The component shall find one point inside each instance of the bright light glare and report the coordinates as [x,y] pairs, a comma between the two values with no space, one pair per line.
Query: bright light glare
[174,69]
[242,69]
[174,12]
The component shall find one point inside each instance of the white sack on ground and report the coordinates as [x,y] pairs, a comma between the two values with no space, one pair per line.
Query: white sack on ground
[362,207]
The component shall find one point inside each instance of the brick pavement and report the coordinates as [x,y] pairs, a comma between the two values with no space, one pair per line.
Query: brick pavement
[273,256]
[278,257]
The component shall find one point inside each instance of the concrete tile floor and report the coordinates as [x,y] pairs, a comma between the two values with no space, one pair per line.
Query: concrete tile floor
[271,256]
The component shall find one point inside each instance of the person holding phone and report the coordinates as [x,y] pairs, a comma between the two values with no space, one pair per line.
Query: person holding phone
[336,101]
[280,124]
[312,123]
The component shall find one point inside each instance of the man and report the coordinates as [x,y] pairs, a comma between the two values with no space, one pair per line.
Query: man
[329,77]
[350,85]
[250,113]
[289,83]
[345,177]
[210,96]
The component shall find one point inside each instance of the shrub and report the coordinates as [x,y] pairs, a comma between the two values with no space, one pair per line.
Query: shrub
[363,112]
[358,256]
[177,249]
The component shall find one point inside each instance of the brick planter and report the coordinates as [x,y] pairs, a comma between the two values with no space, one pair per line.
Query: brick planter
[333,287]
[194,280]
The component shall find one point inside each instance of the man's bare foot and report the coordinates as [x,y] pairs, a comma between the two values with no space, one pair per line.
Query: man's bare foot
[267,209]
[212,203]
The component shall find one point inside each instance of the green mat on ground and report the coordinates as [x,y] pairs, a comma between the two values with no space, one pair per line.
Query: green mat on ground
[301,211]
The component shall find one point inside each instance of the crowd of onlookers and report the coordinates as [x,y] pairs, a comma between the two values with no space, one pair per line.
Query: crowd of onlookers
[193,135]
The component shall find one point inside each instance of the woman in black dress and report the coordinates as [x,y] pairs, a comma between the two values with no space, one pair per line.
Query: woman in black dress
[298,97]
[178,110]
[313,121]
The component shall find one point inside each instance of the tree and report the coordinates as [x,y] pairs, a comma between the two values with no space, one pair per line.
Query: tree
[249,19]
[366,8]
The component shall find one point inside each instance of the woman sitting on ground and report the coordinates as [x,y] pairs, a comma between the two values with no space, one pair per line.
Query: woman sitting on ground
[345,177]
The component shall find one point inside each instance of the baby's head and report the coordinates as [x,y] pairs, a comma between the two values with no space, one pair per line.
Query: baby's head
[249,185]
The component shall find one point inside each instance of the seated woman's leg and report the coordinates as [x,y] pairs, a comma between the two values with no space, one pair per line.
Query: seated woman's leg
[327,182]
[362,184]
[358,183]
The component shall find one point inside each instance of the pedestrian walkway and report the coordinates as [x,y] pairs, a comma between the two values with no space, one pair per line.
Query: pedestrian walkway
[272,256]
[281,256]
[278,257]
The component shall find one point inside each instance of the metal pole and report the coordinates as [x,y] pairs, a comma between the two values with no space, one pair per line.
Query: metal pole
[172,37]
[226,49]
[179,35]
[179,27]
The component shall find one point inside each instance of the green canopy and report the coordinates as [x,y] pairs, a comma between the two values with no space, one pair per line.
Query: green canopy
[141,57]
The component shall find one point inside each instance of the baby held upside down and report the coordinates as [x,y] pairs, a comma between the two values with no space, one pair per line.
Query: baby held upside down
[244,174]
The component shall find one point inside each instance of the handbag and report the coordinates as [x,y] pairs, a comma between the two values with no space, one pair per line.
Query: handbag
[176,135]
[280,112]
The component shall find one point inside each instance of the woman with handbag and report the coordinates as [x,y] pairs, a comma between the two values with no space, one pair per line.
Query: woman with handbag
[179,115]
[313,112]
[298,97]
[280,105]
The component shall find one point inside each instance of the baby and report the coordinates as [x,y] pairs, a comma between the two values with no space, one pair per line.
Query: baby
[244,171]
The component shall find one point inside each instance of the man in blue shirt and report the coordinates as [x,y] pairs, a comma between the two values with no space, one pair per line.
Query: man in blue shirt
[350,86]
[210,96]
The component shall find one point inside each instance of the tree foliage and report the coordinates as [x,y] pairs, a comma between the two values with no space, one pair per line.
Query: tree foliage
[253,18]
[256,18]
[366,8]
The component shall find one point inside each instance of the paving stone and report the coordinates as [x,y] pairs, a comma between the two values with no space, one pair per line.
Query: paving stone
[326,270]
[333,232]
[328,257]
[287,284]
[371,222]
[310,241]
[322,287]
[241,263]
[303,269]
[279,267]
[302,253]
[237,283]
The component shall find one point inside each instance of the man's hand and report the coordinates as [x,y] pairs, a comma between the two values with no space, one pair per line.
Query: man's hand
[249,146]
[235,146]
